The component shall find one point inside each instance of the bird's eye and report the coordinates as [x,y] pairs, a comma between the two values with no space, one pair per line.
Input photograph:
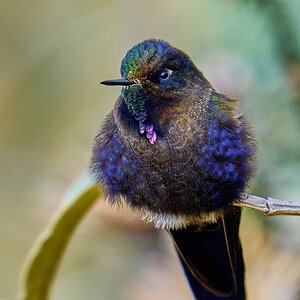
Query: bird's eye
[165,75]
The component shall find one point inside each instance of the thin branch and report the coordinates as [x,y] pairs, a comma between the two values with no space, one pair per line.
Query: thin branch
[269,206]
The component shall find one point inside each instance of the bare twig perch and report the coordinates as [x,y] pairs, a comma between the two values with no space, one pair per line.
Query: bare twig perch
[269,206]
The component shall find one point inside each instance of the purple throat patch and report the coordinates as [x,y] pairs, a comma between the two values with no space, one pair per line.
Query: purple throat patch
[149,130]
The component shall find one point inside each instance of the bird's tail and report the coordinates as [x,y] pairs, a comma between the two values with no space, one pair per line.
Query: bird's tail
[212,258]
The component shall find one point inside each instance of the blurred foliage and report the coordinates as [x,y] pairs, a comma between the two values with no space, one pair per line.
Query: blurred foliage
[53,54]
[44,258]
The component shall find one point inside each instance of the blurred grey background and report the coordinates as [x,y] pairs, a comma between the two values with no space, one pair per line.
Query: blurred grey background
[52,57]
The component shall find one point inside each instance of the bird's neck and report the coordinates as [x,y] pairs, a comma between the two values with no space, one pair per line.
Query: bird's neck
[180,120]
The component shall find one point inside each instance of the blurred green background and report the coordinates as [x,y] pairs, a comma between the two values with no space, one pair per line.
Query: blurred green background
[53,55]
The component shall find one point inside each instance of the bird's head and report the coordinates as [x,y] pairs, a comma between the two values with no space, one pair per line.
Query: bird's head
[157,80]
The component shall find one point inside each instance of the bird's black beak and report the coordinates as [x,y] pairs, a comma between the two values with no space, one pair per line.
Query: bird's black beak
[122,81]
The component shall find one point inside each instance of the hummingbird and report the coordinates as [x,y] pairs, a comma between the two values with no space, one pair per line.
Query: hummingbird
[179,153]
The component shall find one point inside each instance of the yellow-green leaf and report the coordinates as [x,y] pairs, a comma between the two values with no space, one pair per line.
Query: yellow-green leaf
[44,257]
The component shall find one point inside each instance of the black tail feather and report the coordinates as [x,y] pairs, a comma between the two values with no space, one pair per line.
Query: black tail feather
[212,259]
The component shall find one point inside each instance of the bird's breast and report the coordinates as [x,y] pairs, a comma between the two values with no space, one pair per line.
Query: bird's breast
[194,169]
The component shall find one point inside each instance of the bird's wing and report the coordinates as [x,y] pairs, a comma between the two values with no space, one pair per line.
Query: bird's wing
[212,258]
